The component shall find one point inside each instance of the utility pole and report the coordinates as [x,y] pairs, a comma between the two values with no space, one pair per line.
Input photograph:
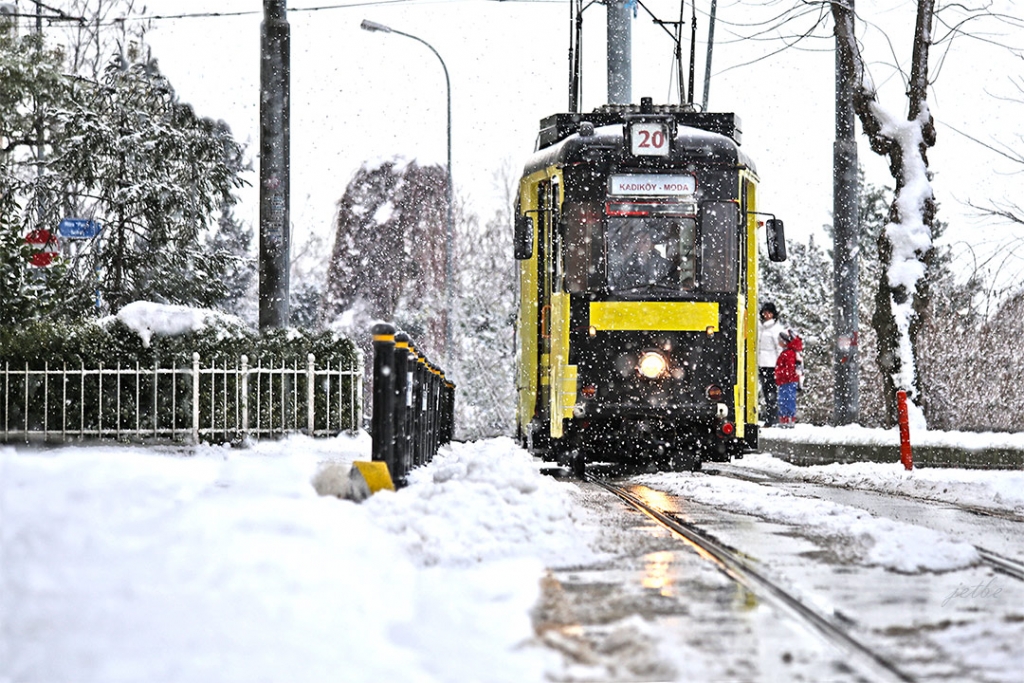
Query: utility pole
[711,45]
[620,53]
[275,226]
[845,250]
[40,149]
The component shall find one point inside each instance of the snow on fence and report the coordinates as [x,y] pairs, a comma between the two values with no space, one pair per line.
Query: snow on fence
[219,401]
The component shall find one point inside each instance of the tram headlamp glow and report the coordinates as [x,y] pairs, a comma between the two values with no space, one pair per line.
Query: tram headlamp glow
[652,364]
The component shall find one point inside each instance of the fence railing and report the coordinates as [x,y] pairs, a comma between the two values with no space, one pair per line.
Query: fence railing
[219,401]
[413,404]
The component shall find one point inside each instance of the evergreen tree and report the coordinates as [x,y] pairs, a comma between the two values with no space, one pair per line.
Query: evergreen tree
[874,204]
[951,322]
[308,280]
[232,244]
[32,85]
[157,174]
[801,288]
[484,365]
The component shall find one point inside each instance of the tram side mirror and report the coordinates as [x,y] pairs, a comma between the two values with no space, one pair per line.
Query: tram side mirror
[523,238]
[776,240]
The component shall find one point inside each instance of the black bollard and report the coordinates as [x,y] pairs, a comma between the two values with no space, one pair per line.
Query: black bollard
[449,413]
[415,432]
[382,422]
[403,461]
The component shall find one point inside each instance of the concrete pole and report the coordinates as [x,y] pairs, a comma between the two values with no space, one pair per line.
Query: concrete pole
[275,226]
[711,45]
[620,53]
[845,253]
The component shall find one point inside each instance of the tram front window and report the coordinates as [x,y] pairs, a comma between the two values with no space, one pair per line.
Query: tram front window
[651,253]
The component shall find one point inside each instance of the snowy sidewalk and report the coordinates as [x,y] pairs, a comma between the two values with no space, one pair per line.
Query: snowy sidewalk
[121,563]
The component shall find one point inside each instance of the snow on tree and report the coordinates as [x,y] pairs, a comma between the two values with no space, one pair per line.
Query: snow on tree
[800,287]
[232,244]
[154,174]
[308,282]
[389,245]
[388,264]
[32,83]
[484,364]
[905,244]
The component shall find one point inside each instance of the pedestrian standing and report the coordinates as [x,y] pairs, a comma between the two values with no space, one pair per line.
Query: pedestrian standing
[787,376]
[768,350]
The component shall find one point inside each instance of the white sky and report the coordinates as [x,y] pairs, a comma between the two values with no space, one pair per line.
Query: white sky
[359,95]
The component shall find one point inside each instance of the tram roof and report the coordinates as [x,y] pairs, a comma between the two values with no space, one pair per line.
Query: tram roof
[559,140]
[557,127]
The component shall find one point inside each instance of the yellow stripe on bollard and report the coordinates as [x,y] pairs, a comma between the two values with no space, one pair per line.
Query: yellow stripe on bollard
[376,475]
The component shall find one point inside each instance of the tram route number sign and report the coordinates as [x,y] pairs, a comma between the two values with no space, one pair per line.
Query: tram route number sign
[649,139]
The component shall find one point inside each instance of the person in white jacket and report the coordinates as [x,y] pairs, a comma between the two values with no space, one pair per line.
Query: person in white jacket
[768,349]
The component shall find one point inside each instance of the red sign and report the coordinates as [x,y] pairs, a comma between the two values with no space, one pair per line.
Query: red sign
[44,244]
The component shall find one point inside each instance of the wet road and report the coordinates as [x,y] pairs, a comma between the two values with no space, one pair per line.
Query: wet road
[657,610]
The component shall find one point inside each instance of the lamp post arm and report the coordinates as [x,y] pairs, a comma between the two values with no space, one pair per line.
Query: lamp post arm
[450,227]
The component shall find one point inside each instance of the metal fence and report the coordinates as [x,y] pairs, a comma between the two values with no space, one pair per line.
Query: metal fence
[219,401]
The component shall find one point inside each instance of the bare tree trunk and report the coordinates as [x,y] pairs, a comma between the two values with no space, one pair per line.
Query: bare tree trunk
[905,243]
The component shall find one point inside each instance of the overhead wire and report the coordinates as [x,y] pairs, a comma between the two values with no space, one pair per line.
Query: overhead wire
[298,10]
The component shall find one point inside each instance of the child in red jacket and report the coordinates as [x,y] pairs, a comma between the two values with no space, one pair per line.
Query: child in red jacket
[787,376]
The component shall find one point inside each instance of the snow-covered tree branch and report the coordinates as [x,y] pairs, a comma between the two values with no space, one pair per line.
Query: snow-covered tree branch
[905,243]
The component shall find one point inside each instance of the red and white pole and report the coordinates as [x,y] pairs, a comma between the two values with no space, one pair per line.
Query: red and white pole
[906,457]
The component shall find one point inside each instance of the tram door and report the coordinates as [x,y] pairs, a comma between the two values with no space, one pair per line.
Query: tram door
[544,283]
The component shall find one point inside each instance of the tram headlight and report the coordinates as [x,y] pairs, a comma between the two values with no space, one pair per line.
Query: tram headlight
[652,364]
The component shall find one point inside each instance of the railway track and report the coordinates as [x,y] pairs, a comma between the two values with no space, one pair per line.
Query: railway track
[1004,565]
[861,658]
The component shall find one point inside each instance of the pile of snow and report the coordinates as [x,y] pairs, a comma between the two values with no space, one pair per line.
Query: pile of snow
[148,319]
[126,563]
[993,489]
[870,436]
[483,501]
[853,534]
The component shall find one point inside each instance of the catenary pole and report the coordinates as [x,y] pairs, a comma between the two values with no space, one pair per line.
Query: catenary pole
[845,252]
[275,227]
[711,45]
[620,53]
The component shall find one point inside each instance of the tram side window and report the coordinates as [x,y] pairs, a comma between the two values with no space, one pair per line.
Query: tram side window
[582,221]
[718,246]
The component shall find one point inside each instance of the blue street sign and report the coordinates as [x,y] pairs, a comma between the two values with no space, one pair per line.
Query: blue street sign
[78,228]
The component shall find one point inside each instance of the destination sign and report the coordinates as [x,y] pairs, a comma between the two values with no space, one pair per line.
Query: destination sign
[642,185]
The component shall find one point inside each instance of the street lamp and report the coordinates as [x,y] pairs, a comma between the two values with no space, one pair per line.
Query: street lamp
[373,26]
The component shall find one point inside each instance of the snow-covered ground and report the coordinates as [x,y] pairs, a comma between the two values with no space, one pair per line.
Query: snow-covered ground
[869,436]
[122,563]
[130,564]
[996,489]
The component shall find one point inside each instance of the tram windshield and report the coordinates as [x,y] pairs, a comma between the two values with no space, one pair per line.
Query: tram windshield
[650,253]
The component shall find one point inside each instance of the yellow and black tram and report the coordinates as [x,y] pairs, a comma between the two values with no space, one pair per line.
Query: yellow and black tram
[636,236]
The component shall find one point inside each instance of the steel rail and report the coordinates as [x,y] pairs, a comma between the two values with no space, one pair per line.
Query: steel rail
[1001,564]
[873,664]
